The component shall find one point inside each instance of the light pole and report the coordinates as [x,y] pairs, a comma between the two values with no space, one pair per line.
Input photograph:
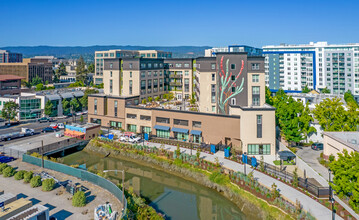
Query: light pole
[123,184]
[331,197]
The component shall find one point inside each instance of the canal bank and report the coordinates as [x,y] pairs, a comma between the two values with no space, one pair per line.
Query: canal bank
[252,207]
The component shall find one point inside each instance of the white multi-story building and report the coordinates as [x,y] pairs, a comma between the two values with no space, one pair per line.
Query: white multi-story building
[316,65]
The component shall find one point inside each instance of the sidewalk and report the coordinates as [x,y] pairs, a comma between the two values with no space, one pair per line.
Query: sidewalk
[310,205]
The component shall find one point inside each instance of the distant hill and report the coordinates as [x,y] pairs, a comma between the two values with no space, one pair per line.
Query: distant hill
[88,51]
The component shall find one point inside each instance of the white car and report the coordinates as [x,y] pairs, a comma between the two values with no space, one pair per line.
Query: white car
[61,125]
[124,138]
[134,139]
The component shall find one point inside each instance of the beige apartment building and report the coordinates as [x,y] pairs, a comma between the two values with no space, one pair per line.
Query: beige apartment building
[240,118]
[337,142]
[100,56]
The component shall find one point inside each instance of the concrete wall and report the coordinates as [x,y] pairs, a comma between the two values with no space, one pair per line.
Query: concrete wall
[333,147]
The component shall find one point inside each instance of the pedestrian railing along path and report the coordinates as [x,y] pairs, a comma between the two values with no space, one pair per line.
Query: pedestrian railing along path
[82,174]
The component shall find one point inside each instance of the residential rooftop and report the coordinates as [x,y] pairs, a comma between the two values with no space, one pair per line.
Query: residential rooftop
[350,138]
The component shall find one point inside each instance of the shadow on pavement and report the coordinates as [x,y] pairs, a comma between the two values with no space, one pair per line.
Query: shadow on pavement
[51,207]
[34,201]
[21,195]
[62,214]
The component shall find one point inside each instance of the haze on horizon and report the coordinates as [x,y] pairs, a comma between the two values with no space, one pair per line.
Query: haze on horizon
[176,23]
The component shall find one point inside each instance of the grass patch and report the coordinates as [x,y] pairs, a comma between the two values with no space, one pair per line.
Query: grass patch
[219,178]
[277,162]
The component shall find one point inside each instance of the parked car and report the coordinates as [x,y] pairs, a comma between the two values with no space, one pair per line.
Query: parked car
[48,129]
[12,123]
[54,126]
[44,119]
[133,139]
[124,138]
[317,146]
[12,135]
[60,126]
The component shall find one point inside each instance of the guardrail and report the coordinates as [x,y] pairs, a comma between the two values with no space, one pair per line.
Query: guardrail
[82,174]
[58,146]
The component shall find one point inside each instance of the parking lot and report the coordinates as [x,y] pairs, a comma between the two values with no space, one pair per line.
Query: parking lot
[311,156]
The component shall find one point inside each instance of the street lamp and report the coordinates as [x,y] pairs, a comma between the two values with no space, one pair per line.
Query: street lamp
[123,184]
[331,197]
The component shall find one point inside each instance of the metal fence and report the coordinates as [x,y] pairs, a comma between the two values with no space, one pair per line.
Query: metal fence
[12,152]
[82,174]
[318,191]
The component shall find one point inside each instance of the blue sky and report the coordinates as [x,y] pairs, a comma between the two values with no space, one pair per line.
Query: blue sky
[171,23]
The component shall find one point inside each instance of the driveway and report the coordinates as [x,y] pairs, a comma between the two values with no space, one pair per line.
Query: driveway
[311,156]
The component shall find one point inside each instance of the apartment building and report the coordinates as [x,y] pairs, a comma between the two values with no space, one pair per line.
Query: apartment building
[10,57]
[29,69]
[180,77]
[134,77]
[10,84]
[251,51]
[101,55]
[241,117]
[316,65]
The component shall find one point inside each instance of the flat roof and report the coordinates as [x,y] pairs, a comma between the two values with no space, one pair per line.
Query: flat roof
[10,77]
[348,138]
[35,142]
[12,207]
[30,212]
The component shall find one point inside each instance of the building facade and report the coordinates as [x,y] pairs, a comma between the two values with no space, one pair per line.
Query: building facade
[240,117]
[100,56]
[29,69]
[337,142]
[10,85]
[316,65]
[251,51]
[10,57]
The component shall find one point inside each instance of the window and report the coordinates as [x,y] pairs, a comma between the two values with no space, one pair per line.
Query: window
[162,120]
[196,124]
[186,73]
[259,126]
[162,133]
[115,124]
[145,117]
[115,104]
[213,76]
[143,84]
[233,89]
[233,77]
[130,74]
[95,107]
[130,65]
[110,85]
[213,93]
[110,73]
[213,66]
[111,65]
[255,90]
[149,65]
[233,101]
[149,84]
[130,87]
[233,66]
[180,122]
[186,65]
[143,74]
[258,149]
[213,108]
[132,128]
[255,66]
[255,78]
[132,116]
[255,95]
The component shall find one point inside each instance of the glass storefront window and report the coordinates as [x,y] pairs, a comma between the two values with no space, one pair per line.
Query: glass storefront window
[30,108]
[181,136]
[162,133]
[132,128]
[196,138]
[115,124]
[147,129]
[258,149]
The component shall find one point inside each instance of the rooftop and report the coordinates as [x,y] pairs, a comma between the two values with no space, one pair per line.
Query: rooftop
[30,212]
[350,138]
[310,45]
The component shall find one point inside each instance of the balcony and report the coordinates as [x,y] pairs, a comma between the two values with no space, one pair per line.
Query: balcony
[175,76]
[175,83]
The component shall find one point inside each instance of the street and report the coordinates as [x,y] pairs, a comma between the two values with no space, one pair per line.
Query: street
[311,156]
[37,126]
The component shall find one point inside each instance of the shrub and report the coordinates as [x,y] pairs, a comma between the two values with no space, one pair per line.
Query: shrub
[219,178]
[20,175]
[2,167]
[35,181]
[8,171]
[48,185]
[331,158]
[28,176]
[79,199]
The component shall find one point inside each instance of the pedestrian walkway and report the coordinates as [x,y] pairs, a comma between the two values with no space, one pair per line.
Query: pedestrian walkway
[316,209]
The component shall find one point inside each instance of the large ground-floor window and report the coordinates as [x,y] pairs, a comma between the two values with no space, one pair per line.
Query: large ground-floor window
[115,124]
[197,138]
[258,149]
[146,129]
[132,128]
[96,121]
[181,136]
[162,133]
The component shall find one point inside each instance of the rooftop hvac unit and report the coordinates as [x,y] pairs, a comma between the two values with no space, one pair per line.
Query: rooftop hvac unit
[353,141]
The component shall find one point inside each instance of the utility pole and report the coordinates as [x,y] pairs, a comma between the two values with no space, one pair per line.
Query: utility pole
[42,153]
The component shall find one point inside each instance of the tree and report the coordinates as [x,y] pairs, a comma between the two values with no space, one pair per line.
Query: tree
[269,98]
[349,98]
[48,184]
[8,171]
[91,68]
[144,101]
[40,87]
[65,106]
[325,90]
[331,115]
[295,177]
[82,118]
[305,120]
[10,110]
[81,72]
[75,105]
[345,182]
[79,199]
[305,89]
[35,181]
[20,175]
[48,108]
[61,71]
[26,84]
[36,80]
